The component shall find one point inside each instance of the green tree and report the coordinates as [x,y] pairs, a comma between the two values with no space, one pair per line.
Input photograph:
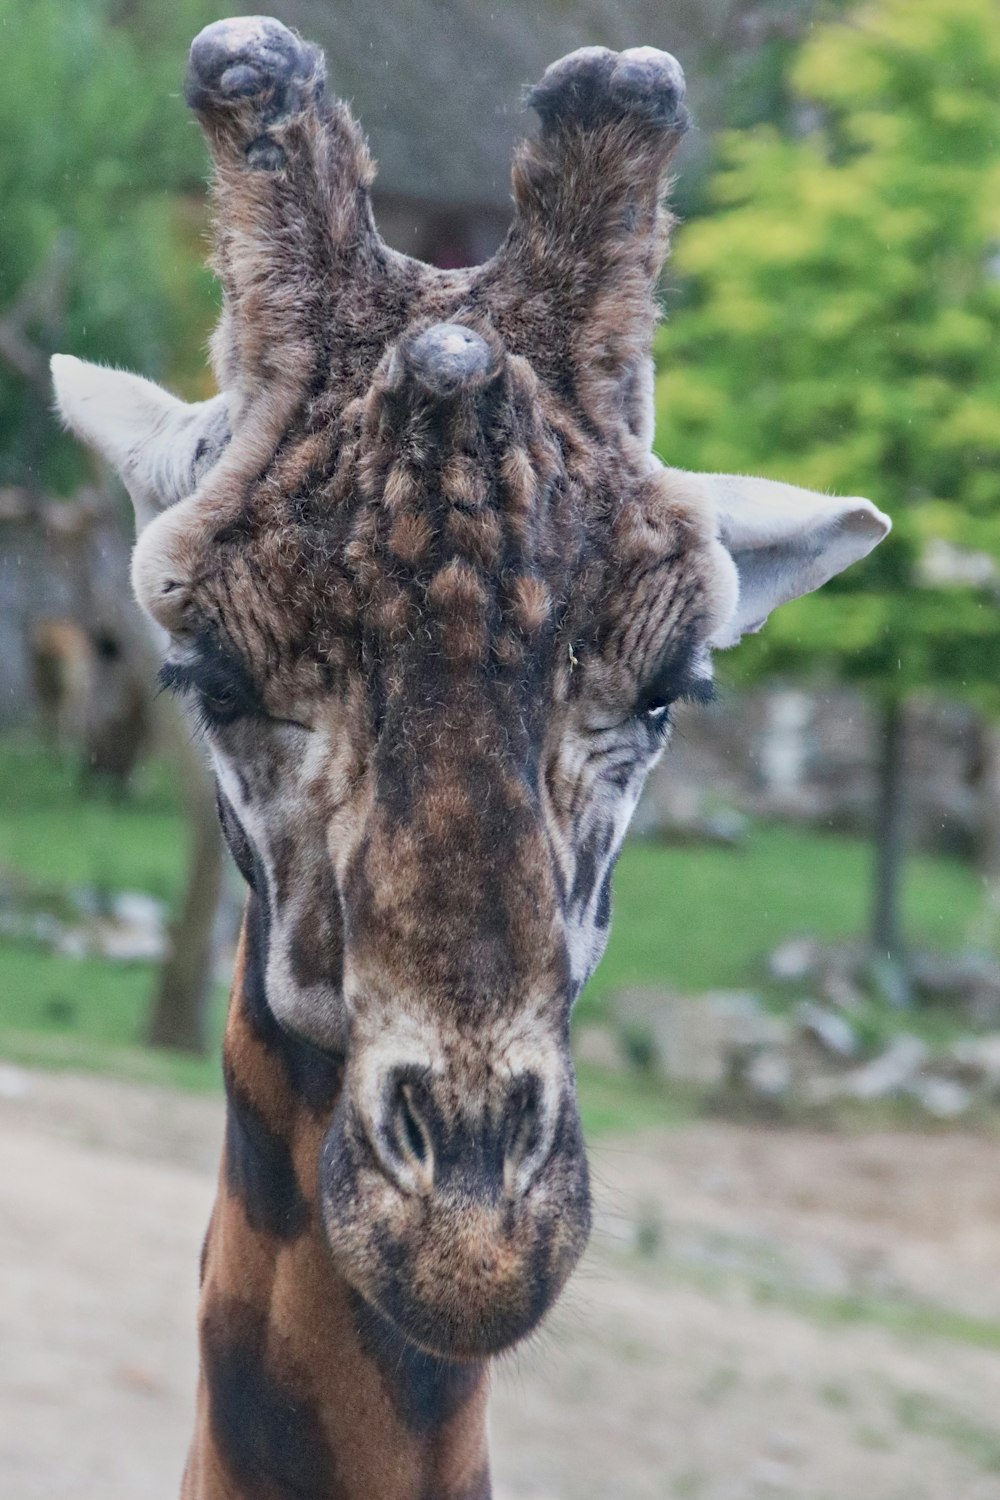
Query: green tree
[99,242]
[840,327]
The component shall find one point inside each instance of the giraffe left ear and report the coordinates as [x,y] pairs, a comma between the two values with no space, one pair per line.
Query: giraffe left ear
[784,542]
[159,446]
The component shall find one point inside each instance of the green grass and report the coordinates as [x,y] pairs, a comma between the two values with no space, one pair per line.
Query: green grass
[89,1014]
[610,1104]
[704,917]
[52,835]
[694,918]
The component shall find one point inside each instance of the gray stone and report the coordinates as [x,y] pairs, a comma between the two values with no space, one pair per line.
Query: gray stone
[970,979]
[598,1047]
[890,1073]
[696,1039]
[944,1098]
[976,1060]
[14,1082]
[832,1031]
[841,992]
[795,959]
[768,1074]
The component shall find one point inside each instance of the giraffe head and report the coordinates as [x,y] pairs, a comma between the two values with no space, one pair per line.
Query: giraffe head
[433,599]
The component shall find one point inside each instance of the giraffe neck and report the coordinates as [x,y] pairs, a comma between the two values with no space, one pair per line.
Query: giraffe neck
[305,1392]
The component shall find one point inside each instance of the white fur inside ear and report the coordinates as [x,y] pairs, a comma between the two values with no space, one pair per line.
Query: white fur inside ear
[784,542]
[153,441]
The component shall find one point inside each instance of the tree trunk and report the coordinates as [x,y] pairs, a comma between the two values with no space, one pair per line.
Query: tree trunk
[179,1015]
[890,836]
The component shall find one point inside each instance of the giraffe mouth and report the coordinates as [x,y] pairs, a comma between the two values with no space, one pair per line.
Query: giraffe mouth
[460,1272]
[472,1312]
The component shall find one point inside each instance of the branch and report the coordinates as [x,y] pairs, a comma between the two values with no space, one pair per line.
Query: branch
[42,298]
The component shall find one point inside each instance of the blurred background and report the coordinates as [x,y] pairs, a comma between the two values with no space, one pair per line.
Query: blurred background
[790,1058]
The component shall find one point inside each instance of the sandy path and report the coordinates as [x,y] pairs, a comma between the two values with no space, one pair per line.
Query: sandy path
[700,1370]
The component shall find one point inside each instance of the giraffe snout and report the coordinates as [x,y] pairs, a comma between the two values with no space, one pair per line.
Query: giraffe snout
[455,1198]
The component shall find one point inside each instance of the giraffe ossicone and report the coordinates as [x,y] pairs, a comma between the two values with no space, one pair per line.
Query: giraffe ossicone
[433,598]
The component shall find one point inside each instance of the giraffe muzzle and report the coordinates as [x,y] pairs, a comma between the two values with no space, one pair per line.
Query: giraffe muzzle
[457,1212]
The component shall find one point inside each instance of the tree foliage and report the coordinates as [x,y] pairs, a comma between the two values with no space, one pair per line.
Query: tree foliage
[839,327]
[99,159]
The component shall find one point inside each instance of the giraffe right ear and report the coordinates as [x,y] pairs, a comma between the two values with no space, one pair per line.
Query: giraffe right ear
[159,446]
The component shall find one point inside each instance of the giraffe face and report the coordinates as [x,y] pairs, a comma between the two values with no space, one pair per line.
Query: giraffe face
[433,600]
[426,767]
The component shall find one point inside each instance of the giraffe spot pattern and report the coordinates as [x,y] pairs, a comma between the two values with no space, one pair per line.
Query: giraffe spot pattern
[260,1170]
[266,1427]
[426,1391]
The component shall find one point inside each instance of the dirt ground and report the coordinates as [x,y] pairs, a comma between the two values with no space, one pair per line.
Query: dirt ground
[761,1314]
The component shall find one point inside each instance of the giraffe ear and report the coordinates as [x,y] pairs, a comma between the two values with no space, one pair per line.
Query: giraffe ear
[159,446]
[784,542]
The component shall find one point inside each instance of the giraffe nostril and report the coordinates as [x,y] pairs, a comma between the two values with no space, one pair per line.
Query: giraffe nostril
[406,1133]
[411,1126]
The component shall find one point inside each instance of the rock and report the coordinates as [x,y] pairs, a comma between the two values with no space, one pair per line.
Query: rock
[724,826]
[695,1039]
[891,982]
[14,1082]
[72,942]
[970,979]
[783,1443]
[890,1073]
[597,1047]
[832,1031]
[137,909]
[840,992]
[771,1475]
[676,811]
[795,959]
[976,1059]
[943,1098]
[768,1074]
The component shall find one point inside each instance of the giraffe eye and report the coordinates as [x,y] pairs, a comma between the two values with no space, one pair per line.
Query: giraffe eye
[221,703]
[654,712]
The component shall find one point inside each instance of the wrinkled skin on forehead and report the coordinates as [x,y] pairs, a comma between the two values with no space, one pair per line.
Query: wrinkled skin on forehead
[433,599]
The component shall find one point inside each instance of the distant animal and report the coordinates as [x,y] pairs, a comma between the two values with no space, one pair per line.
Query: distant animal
[60,656]
[434,600]
[92,702]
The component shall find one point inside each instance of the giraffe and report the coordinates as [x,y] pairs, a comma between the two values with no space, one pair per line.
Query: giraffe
[433,599]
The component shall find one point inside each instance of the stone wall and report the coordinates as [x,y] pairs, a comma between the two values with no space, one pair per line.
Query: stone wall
[811,757]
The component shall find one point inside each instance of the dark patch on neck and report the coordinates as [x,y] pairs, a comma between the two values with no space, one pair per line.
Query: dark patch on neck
[313,1076]
[267,1430]
[425,1389]
[260,1171]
